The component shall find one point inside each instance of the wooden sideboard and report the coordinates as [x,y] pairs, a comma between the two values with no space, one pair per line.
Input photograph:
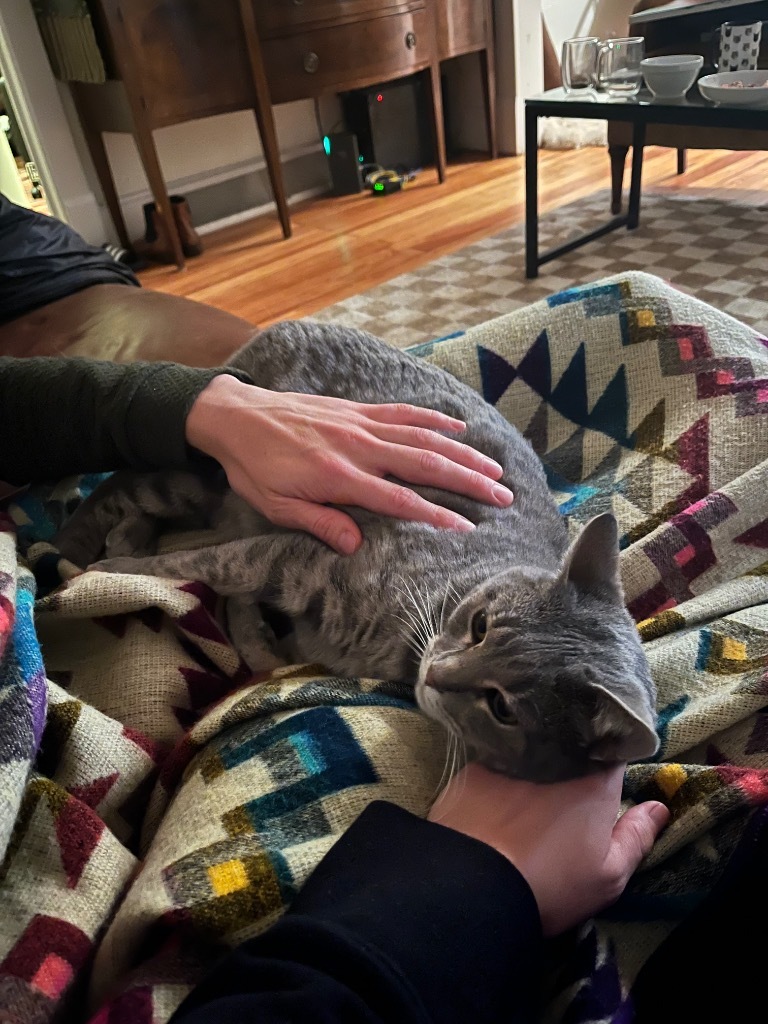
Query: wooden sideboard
[171,61]
[464,26]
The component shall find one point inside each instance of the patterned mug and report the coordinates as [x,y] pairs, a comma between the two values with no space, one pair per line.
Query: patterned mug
[739,46]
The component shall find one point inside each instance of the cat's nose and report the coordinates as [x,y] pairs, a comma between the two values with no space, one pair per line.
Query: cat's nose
[430,679]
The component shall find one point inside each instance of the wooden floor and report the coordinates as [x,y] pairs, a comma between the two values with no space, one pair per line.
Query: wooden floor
[343,246]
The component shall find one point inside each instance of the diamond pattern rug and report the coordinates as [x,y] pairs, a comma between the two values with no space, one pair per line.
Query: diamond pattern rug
[712,248]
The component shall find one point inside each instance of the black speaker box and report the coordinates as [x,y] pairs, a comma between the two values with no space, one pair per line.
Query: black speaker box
[344,163]
[391,123]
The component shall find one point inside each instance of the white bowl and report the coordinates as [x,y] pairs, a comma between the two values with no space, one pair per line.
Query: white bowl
[670,77]
[712,88]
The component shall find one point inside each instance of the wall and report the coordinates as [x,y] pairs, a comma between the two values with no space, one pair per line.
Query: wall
[41,117]
[217,162]
[603,18]
[567,18]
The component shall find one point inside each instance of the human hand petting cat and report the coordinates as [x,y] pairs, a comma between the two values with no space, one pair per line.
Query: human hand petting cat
[562,837]
[289,455]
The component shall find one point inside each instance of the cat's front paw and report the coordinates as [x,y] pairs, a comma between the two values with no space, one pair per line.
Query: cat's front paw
[130,566]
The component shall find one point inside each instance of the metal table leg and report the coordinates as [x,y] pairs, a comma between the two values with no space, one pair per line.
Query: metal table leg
[531,193]
[534,259]
[636,185]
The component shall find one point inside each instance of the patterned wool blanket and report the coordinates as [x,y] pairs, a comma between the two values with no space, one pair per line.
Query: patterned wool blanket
[132,737]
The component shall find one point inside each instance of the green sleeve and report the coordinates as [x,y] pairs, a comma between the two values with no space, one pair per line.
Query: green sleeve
[60,416]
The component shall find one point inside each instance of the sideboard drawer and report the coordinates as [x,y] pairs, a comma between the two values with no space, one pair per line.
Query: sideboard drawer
[461,27]
[348,56]
[279,17]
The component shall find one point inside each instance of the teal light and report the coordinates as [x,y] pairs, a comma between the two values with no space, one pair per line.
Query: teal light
[361,159]
[327,145]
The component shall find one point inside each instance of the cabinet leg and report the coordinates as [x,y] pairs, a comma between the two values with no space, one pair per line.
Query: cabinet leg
[682,161]
[488,69]
[264,117]
[146,146]
[618,155]
[266,124]
[438,124]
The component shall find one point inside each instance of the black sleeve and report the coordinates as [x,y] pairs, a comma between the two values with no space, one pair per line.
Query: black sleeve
[65,415]
[403,921]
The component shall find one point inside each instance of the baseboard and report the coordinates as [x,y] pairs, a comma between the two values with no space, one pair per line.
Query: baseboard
[257,211]
[236,192]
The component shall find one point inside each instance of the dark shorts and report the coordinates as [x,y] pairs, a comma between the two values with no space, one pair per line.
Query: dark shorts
[42,259]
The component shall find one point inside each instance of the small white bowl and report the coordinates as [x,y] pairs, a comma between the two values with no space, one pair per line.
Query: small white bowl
[671,76]
[712,88]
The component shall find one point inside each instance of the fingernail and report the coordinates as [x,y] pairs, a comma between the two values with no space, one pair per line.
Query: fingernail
[659,813]
[503,495]
[491,466]
[348,543]
[463,525]
[458,425]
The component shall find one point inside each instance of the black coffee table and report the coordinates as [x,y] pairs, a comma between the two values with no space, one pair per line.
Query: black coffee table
[640,111]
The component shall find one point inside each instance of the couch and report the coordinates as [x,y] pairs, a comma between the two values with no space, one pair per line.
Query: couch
[152,813]
[112,321]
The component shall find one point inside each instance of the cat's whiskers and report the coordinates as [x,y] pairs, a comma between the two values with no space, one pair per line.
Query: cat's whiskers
[414,627]
[451,591]
[419,613]
[455,756]
[410,637]
[456,759]
[426,610]
[450,760]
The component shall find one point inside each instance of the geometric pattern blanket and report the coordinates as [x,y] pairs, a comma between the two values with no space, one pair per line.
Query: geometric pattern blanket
[158,803]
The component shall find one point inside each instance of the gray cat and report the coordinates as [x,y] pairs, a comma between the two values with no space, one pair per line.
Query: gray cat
[518,644]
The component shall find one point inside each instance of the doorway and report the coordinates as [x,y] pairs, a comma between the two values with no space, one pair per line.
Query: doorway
[19,176]
[39,108]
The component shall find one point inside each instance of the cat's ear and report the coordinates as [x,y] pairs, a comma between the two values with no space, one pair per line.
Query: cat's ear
[592,562]
[618,732]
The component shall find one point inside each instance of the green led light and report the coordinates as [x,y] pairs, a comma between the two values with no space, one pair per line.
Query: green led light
[379,187]
[327,145]
[361,159]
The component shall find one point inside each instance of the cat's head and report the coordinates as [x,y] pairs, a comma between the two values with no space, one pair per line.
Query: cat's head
[544,676]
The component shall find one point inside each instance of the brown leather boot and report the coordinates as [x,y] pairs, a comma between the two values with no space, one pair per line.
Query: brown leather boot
[191,244]
[156,244]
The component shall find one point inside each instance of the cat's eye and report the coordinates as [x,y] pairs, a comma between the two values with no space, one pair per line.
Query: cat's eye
[499,707]
[479,626]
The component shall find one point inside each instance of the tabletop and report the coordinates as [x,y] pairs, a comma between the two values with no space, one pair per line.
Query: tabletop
[693,109]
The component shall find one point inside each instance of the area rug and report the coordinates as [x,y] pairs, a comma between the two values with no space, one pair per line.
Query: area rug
[714,249]
[571,133]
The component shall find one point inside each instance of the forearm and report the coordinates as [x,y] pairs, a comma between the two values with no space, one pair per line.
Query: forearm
[403,920]
[63,416]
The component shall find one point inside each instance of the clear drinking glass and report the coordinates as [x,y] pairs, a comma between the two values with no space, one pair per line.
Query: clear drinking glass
[579,64]
[618,66]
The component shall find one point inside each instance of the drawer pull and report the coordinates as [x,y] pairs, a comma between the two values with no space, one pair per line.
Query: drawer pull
[298,3]
[311,62]
[410,40]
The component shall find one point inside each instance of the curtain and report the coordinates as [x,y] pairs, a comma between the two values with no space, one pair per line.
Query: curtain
[70,41]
